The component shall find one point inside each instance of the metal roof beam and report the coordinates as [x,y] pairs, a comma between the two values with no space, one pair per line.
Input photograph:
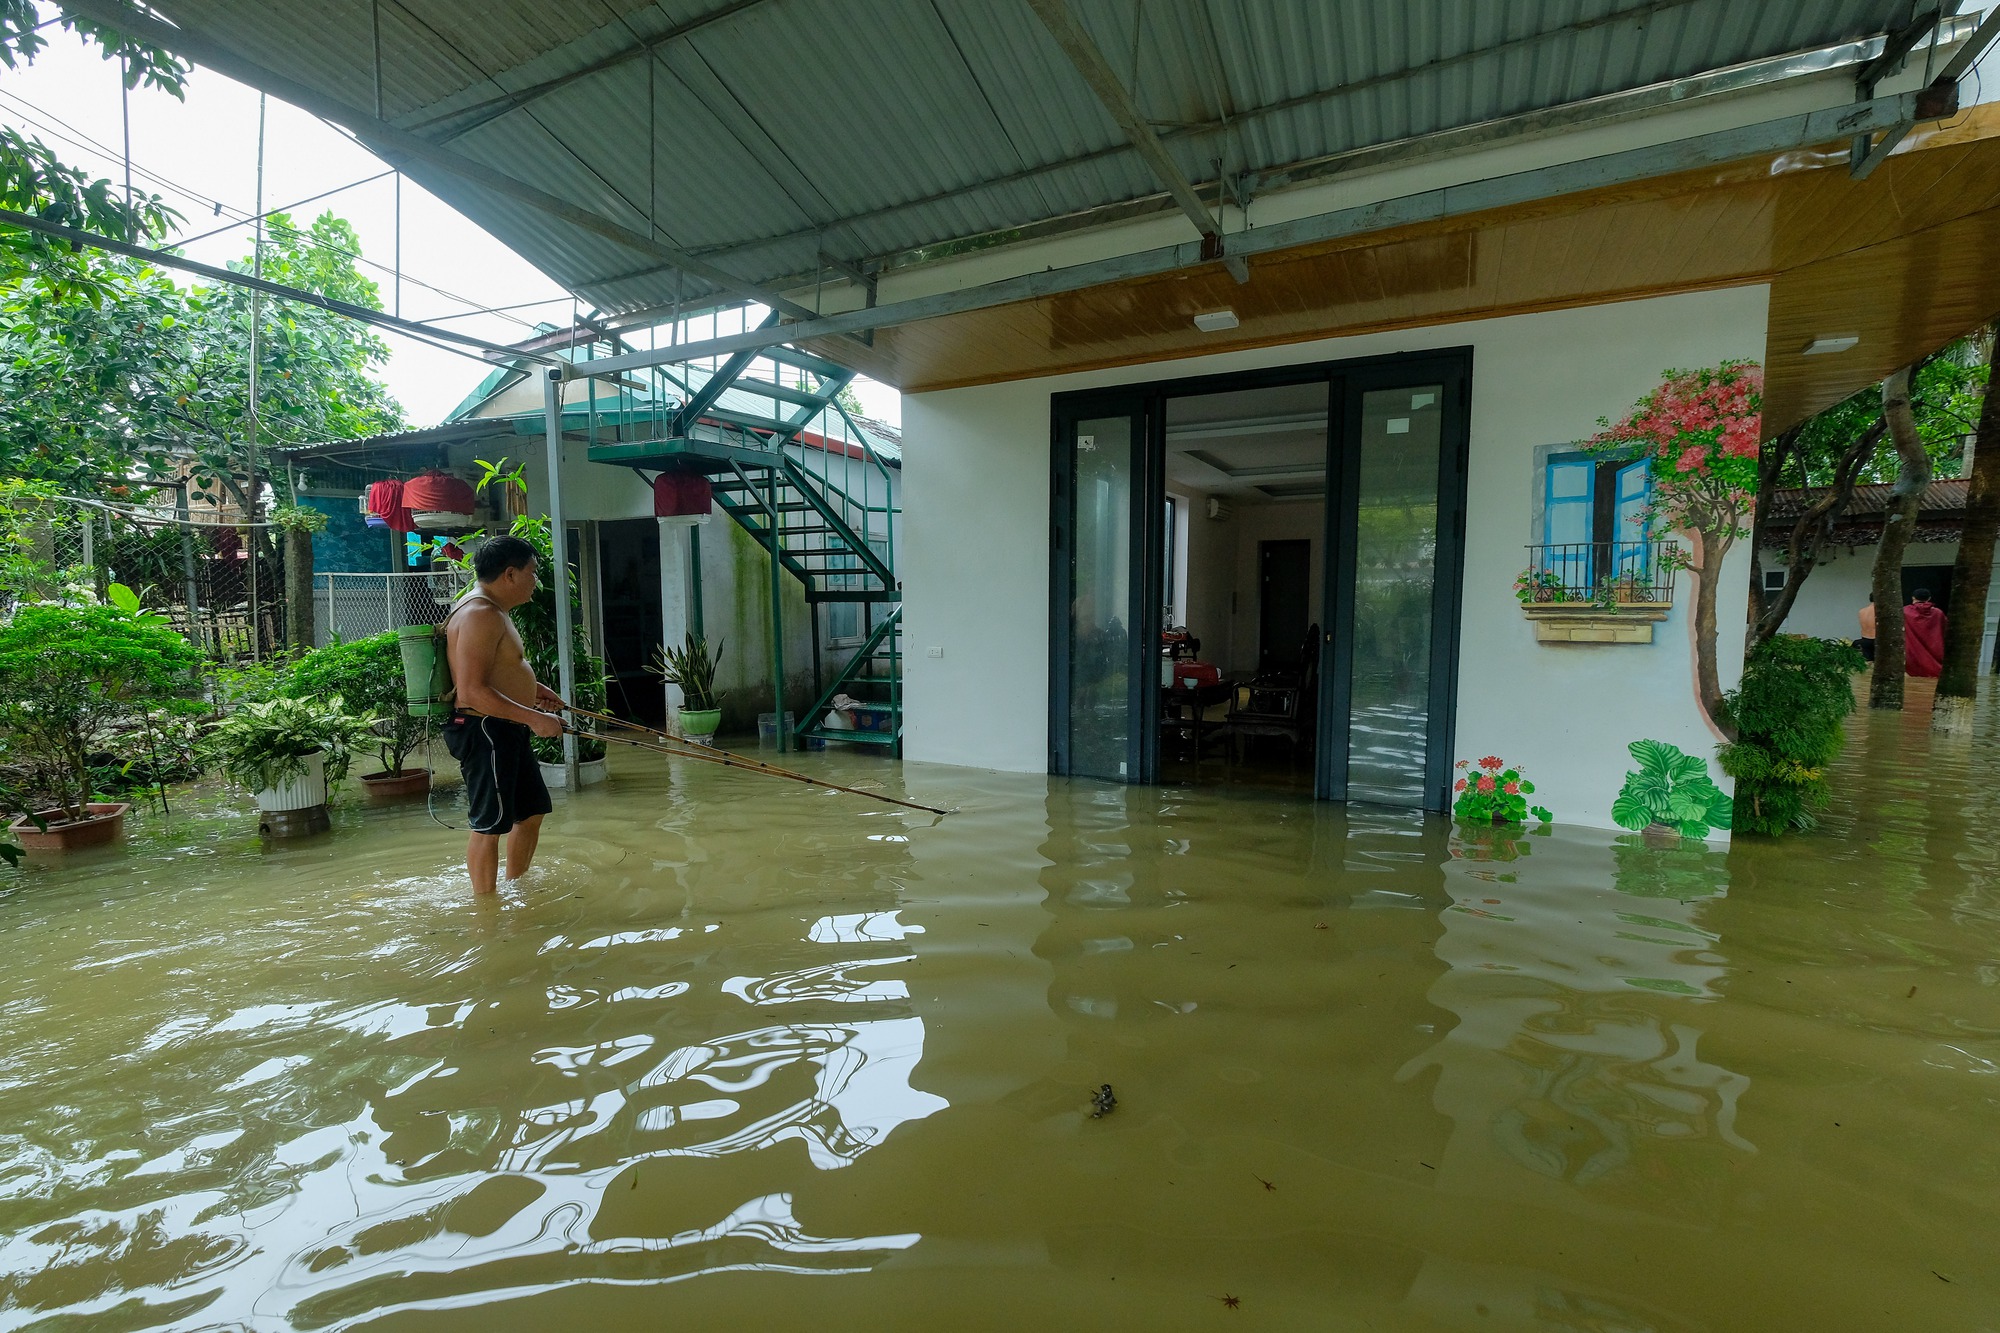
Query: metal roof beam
[393,143]
[469,118]
[1741,142]
[1868,152]
[1089,62]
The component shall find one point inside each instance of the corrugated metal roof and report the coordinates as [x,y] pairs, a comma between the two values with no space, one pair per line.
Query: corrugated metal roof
[1940,497]
[764,133]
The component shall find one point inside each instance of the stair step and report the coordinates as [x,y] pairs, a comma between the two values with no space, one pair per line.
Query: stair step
[856,737]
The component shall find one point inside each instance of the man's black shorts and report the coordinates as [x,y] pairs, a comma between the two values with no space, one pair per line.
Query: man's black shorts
[503,784]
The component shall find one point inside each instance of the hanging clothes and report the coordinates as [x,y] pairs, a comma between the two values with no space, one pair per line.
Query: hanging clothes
[385,502]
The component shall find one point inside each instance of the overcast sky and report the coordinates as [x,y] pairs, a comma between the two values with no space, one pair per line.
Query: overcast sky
[203,151]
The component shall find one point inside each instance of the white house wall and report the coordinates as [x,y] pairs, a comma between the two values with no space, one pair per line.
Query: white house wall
[977,568]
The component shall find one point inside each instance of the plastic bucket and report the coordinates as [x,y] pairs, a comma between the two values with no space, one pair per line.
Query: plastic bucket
[767,728]
[422,676]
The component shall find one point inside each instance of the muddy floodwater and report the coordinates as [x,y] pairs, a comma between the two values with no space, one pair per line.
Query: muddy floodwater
[744,1054]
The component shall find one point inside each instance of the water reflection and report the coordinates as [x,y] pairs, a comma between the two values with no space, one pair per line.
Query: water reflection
[1561,1058]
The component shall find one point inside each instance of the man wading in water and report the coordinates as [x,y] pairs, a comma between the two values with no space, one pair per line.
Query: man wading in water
[497,705]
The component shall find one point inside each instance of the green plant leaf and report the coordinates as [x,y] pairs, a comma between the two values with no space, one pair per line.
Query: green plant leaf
[1721,811]
[1654,757]
[123,598]
[1628,811]
[1694,828]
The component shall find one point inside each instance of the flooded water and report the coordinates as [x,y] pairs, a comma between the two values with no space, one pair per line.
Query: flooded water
[746,1054]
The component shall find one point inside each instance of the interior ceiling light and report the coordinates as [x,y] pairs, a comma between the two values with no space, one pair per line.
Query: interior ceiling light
[1215,321]
[1827,344]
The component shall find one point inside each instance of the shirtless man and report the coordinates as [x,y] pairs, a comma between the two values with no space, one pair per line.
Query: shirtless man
[498,704]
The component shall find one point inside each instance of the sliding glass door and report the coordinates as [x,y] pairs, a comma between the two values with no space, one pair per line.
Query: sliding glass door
[1395,506]
[1105,518]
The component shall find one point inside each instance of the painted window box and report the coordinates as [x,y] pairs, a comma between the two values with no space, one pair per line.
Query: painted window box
[1598,592]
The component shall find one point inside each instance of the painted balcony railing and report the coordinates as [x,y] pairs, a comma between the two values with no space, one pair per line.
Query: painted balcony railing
[1606,574]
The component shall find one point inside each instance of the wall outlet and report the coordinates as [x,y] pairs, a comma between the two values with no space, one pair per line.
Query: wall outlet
[933,652]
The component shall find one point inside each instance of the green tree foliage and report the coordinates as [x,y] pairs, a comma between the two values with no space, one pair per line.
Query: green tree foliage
[1945,395]
[70,674]
[368,674]
[1789,710]
[34,180]
[148,377]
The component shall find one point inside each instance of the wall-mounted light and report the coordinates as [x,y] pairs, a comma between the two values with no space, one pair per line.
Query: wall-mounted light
[1215,321]
[1828,344]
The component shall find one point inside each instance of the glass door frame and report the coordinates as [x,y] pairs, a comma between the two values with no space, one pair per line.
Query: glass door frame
[1146,532]
[1353,381]
[1347,382]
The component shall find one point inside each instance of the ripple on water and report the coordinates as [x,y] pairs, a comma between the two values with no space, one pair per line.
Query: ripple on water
[1368,1067]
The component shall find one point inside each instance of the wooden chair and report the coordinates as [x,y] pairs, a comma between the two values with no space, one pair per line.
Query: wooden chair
[1280,703]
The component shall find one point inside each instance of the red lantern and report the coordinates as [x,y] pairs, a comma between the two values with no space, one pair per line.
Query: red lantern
[680,494]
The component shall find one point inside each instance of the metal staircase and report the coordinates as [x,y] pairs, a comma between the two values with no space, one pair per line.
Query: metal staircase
[808,484]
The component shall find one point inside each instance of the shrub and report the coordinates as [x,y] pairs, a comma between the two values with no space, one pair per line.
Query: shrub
[368,675]
[1788,714]
[70,675]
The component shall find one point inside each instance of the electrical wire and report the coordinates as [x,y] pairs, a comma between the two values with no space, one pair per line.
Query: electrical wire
[49,123]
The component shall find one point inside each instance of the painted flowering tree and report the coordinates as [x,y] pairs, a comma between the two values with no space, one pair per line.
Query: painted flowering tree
[1699,430]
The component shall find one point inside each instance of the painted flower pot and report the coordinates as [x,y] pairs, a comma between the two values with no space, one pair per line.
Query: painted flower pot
[396,786]
[300,792]
[1662,836]
[588,773]
[700,721]
[103,822]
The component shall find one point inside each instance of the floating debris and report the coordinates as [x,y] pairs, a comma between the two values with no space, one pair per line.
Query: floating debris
[1104,1100]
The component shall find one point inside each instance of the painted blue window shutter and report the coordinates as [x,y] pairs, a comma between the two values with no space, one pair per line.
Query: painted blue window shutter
[1634,491]
[1567,505]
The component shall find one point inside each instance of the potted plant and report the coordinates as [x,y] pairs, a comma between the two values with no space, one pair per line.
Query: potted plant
[368,675]
[1670,796]
[1540,585]
[287,751]
[68,676]
[691,667]
[1494,793]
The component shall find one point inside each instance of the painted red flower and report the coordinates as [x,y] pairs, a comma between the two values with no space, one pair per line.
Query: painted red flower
[1512,789]
[1493,761]
[1460,785]
[1460,764]
[1486,786]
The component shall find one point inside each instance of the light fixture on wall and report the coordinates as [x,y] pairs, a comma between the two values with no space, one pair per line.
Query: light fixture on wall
[1828,343]
[1215,321]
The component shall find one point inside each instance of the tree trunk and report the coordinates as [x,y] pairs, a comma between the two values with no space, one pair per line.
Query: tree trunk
[1708,685]
[1913,475]
[1971,577]
[1815,528]
[298,588]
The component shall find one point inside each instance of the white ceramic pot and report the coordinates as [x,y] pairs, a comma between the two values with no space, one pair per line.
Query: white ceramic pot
[588,772]
[302,792]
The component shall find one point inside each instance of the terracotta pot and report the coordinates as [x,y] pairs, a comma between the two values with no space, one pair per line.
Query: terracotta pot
[104,821]
[396,786]
[1663,836]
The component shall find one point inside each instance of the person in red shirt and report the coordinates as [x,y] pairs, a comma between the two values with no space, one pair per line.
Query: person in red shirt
[1923,636]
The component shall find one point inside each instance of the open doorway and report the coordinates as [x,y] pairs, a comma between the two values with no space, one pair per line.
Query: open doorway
[1240,661]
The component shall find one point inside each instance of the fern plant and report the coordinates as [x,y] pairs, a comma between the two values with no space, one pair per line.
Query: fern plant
[1673,788]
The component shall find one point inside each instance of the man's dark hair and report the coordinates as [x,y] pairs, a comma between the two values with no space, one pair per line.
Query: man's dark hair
[1922,594]
[497,555]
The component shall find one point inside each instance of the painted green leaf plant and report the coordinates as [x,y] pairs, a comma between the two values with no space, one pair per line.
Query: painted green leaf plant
[1673,788]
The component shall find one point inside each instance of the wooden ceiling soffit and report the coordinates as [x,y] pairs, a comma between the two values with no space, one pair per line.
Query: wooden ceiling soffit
[1753,221]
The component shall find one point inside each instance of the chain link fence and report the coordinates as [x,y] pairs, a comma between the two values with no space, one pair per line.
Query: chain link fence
[197,569]
[347,607]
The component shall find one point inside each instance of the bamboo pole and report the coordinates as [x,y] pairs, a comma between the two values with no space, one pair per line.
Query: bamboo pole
[668,744]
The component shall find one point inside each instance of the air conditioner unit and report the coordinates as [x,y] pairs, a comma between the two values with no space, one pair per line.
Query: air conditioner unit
[1218,509]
